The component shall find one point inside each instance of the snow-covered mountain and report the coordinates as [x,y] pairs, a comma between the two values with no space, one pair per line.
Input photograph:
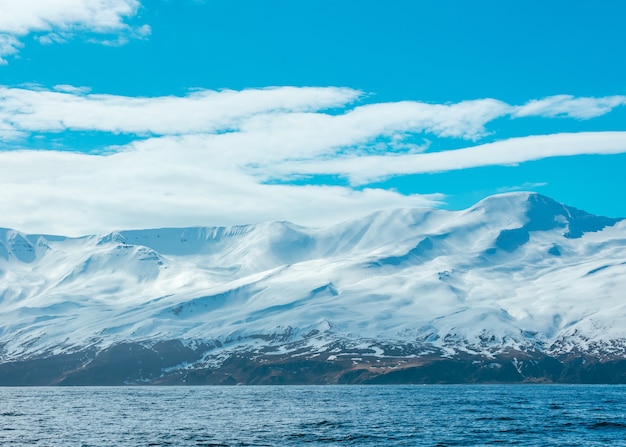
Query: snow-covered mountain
[518,287]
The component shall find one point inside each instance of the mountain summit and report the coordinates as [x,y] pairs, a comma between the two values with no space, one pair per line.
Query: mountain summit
[516,288]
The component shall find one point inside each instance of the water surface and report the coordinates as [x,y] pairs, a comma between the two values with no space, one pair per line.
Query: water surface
[530,415]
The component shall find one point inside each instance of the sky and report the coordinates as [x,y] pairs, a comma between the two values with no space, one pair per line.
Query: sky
[120,114]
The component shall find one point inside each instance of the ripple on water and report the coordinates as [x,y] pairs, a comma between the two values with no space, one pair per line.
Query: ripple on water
[315,416]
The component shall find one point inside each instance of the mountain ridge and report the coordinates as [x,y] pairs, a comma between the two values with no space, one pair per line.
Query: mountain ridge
[507,279]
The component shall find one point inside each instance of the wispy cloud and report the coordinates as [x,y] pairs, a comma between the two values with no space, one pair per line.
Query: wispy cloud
[363,170]
[58,21]
[227,157]
[71,193]
[203,111]
[8,45]
[528,186]
[569,106]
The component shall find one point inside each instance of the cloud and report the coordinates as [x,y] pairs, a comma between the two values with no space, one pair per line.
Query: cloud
[60,20]
[69,108]
[274,113]
[8,45]
[527,186]
[569,106]
[228,157]
[72,89]
[364,170]
[71,193]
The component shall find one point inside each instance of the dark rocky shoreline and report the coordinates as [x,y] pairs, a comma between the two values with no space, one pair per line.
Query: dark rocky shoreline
[174,363]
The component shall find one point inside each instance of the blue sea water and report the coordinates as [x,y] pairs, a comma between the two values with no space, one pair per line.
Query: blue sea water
[431,415]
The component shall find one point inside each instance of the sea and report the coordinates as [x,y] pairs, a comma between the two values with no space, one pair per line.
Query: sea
[417,415]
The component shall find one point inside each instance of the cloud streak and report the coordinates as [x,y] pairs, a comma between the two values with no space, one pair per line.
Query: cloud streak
[364,170]
[71,193]
[569,107]
[57,21]
[299,111]
[24,111]
[230,157]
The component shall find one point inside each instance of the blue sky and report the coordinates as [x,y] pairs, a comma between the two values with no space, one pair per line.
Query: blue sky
[145,113]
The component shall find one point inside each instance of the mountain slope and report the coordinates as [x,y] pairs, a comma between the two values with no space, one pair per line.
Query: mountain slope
[518,281]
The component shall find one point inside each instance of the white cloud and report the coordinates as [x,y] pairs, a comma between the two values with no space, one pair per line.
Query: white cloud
[39,110]
[50,38]
[363,170]
[282,115]
[72,89]
[59,20]
[70,193]
[8,45]
[528,186]
[569,106]
[205,158]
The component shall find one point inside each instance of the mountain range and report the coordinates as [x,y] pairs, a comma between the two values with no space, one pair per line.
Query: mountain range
[517,288]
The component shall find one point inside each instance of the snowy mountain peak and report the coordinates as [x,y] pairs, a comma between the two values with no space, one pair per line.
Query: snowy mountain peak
[546,214]
[14,244]
[514,273]
[113,237]
[520,214]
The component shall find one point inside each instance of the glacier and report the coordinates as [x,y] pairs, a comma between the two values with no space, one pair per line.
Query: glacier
[516,288]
